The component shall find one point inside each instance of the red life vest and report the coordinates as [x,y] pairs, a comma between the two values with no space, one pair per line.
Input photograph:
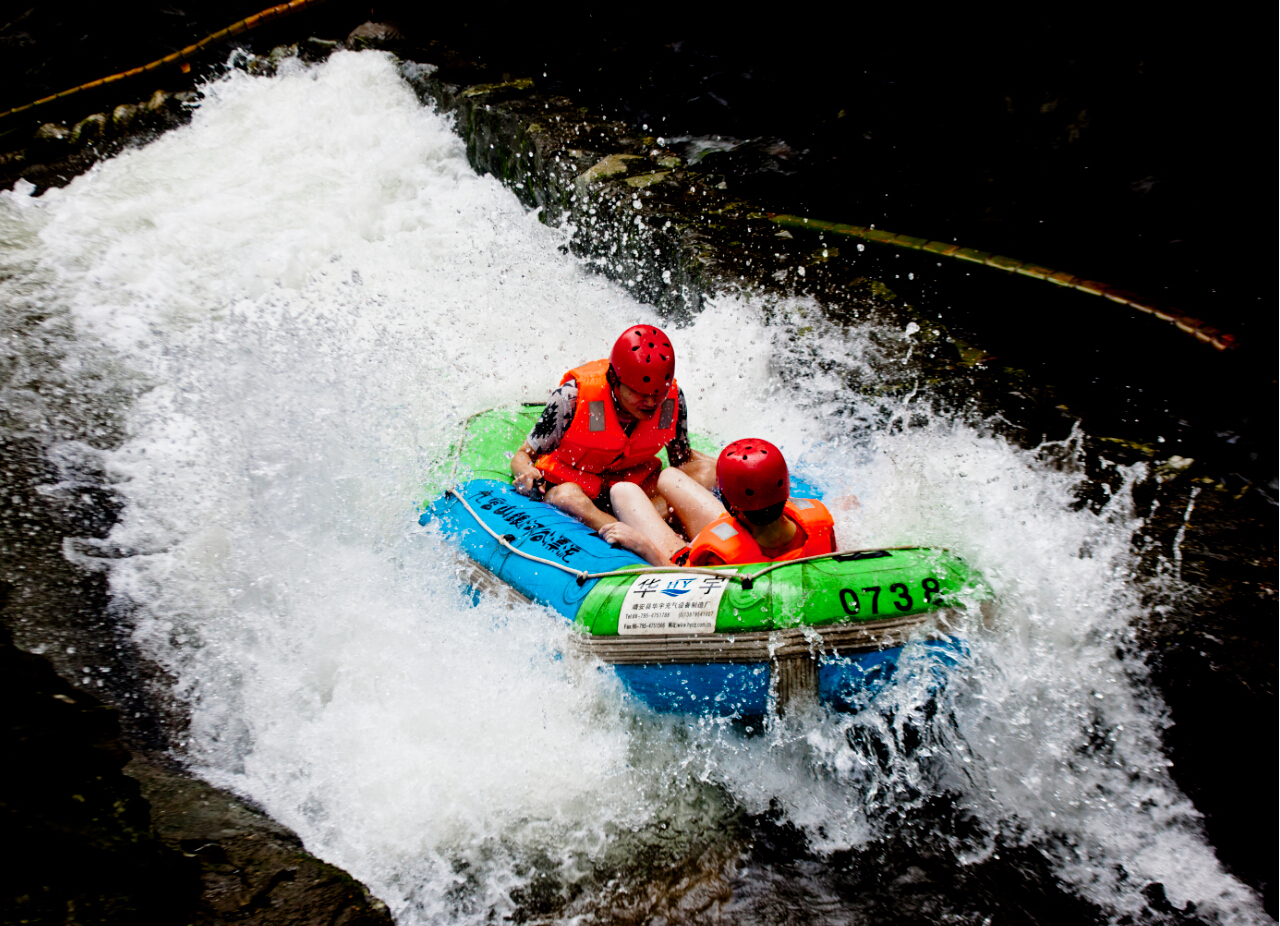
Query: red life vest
[595,452]
[731,541]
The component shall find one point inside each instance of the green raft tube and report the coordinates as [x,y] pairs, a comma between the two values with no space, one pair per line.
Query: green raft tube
[734,641]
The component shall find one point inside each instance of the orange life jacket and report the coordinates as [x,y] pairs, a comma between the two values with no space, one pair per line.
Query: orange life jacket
[731,541]
[595,452]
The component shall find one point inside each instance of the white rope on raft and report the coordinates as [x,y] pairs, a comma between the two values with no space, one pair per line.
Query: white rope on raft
[747,579]
[581,575]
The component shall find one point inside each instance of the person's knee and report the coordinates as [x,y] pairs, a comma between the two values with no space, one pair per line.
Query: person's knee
[626,493]
[702,471]
[668,478]
[566,495]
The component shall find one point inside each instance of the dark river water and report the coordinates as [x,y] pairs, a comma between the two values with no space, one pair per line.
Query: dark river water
[259,333]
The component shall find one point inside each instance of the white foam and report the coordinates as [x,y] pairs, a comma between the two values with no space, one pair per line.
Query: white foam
[318,289]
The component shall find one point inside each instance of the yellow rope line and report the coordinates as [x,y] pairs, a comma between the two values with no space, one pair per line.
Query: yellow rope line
[1202,331]
[252,22]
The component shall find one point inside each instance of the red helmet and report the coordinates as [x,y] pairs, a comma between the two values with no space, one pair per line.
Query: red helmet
[752,475]
[643,359]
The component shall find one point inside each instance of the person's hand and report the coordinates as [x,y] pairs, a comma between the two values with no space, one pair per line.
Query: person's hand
[530,483]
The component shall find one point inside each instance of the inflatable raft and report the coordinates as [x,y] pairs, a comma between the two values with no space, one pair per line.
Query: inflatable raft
[728,641]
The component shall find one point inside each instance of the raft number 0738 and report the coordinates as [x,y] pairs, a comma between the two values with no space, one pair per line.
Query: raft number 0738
[902,599]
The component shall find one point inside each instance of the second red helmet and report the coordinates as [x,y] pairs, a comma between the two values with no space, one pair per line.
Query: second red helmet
[643,359]
[752,475]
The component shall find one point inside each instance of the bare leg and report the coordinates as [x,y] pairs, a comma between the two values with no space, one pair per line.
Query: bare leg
[569,498]
[659,505]
[695,506]
[701,469]
[640,530]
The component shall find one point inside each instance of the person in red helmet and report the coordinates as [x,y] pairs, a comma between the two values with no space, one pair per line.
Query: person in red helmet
[604,425]
[762,523]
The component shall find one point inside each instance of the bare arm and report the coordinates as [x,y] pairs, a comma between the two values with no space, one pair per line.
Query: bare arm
[524,474]
[544,438]
[679,450]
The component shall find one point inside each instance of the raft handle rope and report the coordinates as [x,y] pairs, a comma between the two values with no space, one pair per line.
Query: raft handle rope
[582,576]
[747,580]
[1202,331]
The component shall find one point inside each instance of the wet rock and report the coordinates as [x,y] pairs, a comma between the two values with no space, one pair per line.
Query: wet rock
[124,839]
[607,168]
[89,129]
[112,838]
[375,35]
[12,160]
[50,137]
[1213,650]
[315,49]
[747,158]
[58,154]
[641,181]
[252,869]
[78,827]
[268,65]
[122,117]
[495,91]
[69,789]
[159,103]
[280,54]
[667,231]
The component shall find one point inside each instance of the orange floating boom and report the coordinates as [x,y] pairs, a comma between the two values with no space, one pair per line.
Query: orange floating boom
[1201,330]
[252,22]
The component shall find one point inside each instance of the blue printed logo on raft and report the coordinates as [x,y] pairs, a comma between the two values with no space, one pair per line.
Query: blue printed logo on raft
[557,544]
